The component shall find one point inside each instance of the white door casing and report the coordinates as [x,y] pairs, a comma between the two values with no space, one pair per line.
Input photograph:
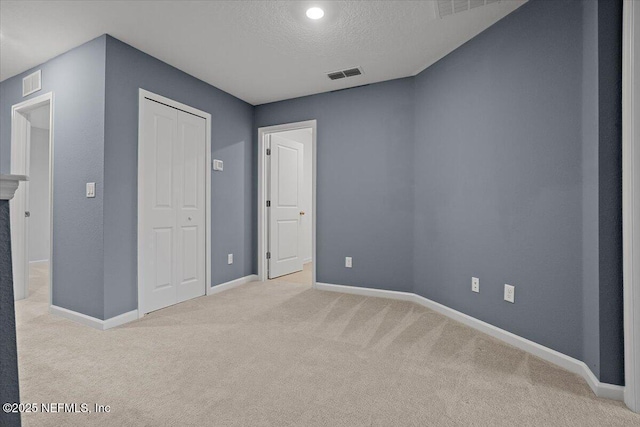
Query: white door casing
[264,135]
[20,161]
[286,187]
[172,196]
[19,205]
[631,200]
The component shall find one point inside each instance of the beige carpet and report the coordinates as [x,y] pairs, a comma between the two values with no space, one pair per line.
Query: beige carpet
[303,277]
[279,354]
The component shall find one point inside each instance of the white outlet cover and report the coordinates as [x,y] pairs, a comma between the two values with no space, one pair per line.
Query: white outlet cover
[230,259]
[509,293]
[348,262]
[218,165]
[475,284]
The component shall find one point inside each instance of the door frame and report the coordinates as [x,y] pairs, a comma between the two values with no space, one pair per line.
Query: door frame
[142,95]
[18,159]
[263,132]
[631,201]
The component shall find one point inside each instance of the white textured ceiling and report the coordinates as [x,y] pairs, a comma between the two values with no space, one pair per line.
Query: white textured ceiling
[259,51]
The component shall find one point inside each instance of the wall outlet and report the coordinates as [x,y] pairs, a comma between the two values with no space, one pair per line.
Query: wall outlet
[348,262]
[510,293]
[230,259]
[475,284]
[91,189]
[218,165]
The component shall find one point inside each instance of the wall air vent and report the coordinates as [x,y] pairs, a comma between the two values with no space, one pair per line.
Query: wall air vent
[349,72]
[451,7]
[32,83]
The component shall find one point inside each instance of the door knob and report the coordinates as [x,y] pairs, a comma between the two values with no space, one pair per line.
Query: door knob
[27,214]
[301,212]
[189,218]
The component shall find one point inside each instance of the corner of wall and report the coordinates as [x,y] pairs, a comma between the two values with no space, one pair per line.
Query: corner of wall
[106,188]
[590,208]
[610,190]
[119,243]
[254,189]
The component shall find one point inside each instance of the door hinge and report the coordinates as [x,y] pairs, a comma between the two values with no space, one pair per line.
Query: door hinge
[268,203]
[268,255]
[268,151]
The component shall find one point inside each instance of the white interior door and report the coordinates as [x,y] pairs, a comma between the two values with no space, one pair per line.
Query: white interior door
[19,205]
[285,194]
[172,165]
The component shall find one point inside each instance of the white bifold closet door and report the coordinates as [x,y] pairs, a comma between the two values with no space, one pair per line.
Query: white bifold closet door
[173,206]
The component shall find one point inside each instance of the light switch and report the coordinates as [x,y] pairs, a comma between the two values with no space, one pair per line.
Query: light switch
[218,165]
[230,259]
[91,189]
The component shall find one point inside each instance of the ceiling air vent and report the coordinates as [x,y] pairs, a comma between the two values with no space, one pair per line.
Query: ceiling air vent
[349,72]
[460,5]
[32,83]
[451,7]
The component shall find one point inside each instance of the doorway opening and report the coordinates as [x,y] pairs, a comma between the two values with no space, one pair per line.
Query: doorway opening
[287,203]
[31,208]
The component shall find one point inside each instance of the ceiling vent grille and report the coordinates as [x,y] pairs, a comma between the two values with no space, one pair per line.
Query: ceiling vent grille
[32,83]
[451,7]
[349,72]
[352,72]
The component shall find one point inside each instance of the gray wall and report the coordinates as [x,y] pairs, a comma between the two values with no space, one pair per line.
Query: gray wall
[95,139]
[499,191]
[522,178]
[504,179]
[364,176]
[128,69]
[39,221]
[77,79]
[500,161]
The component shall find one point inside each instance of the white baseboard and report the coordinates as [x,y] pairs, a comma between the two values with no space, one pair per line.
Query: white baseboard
[608,391]
[307,260]
[133,315]
[600,389]
[368,292]
[232,284]
[121,319]
[38,261]
[93,322]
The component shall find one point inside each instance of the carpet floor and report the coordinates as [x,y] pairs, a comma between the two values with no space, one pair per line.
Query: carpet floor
[283,354]
[303,277]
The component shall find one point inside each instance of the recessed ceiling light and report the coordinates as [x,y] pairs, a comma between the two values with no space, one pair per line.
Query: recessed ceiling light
[315,13]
